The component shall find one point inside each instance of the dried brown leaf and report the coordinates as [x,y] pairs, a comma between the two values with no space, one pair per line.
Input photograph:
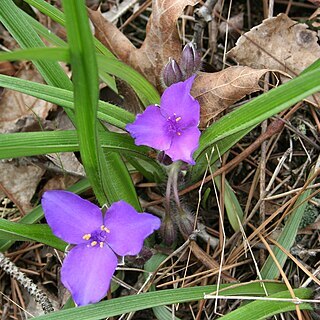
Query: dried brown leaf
[18,110]
[162,40]
[59,182]
[278,43]
[217,91]
[20,182]
[68,163]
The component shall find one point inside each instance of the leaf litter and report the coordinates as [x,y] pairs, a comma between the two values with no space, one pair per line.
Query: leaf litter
[169,26]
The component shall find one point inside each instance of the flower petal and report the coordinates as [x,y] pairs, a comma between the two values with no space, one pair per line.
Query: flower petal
[87,271]
[177,100]
[149,129]
[69,216]
[183,146]
[128,228]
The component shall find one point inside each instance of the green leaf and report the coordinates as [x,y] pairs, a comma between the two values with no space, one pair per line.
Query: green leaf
[37,214]
[53,54]
[145,91]
[288,235]
[15,22]
[260,310]
[147,300]
[245,118]
[232,205]
[151,265]
[313,66]
[57,16]
[86,91]
[64,98]
[39,233]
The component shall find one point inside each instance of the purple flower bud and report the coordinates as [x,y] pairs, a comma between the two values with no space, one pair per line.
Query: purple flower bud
[172,73]
[190,60]
[168,230]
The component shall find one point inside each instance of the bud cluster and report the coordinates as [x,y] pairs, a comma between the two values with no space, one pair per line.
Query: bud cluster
[190,63]
[180,219]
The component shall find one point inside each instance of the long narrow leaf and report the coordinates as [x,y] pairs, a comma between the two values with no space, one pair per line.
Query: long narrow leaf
[261,108]
[86,87]
[146,92]
[64,98]
[23,144]
[57,16]
[53,54]
[19,27]
[241,121]
[287,236]
[260,310]
[39,233]
[37,214]
[143,301]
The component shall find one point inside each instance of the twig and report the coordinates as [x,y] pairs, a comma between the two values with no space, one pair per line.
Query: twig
[203,16]
[11,269]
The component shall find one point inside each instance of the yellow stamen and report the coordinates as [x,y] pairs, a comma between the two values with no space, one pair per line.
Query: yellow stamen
[93,243]
[178,119]
[105,229]
[179,133]
[101,244]
[86,236]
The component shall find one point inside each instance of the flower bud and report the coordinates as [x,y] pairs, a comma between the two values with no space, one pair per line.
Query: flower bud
[185,221]
[164,159]
[190,60]
[168,230]
[171,73]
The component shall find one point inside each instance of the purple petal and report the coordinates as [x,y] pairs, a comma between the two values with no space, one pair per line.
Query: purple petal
[87,271]
[128,228]
[149,129]
[69,216]
[183,146]
[178,100]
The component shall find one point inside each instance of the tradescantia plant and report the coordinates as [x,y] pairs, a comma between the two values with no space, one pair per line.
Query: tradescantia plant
[171,127]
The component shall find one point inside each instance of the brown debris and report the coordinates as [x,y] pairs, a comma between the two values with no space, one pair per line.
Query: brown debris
[162,40]
[278,43]
[217,91]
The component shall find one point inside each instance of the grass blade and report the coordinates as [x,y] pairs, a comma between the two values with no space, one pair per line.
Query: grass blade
[86,88]
[287,235]
[260,310]
[22,232]
[143,301]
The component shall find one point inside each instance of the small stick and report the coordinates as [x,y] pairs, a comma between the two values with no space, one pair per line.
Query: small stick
[11,269]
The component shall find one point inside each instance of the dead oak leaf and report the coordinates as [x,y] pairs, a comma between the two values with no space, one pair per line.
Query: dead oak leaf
[18,110]
[162,39]
[20,182]
[217,91]
[278,43]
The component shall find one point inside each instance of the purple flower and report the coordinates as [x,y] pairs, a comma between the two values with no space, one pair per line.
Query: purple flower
[173,127]
[88,268]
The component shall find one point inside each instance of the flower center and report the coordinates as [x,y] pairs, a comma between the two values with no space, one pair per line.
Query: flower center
[98,236]
[174,124]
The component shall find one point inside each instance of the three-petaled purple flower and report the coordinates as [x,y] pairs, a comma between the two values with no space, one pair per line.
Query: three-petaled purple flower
[88,268]
[172,128]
